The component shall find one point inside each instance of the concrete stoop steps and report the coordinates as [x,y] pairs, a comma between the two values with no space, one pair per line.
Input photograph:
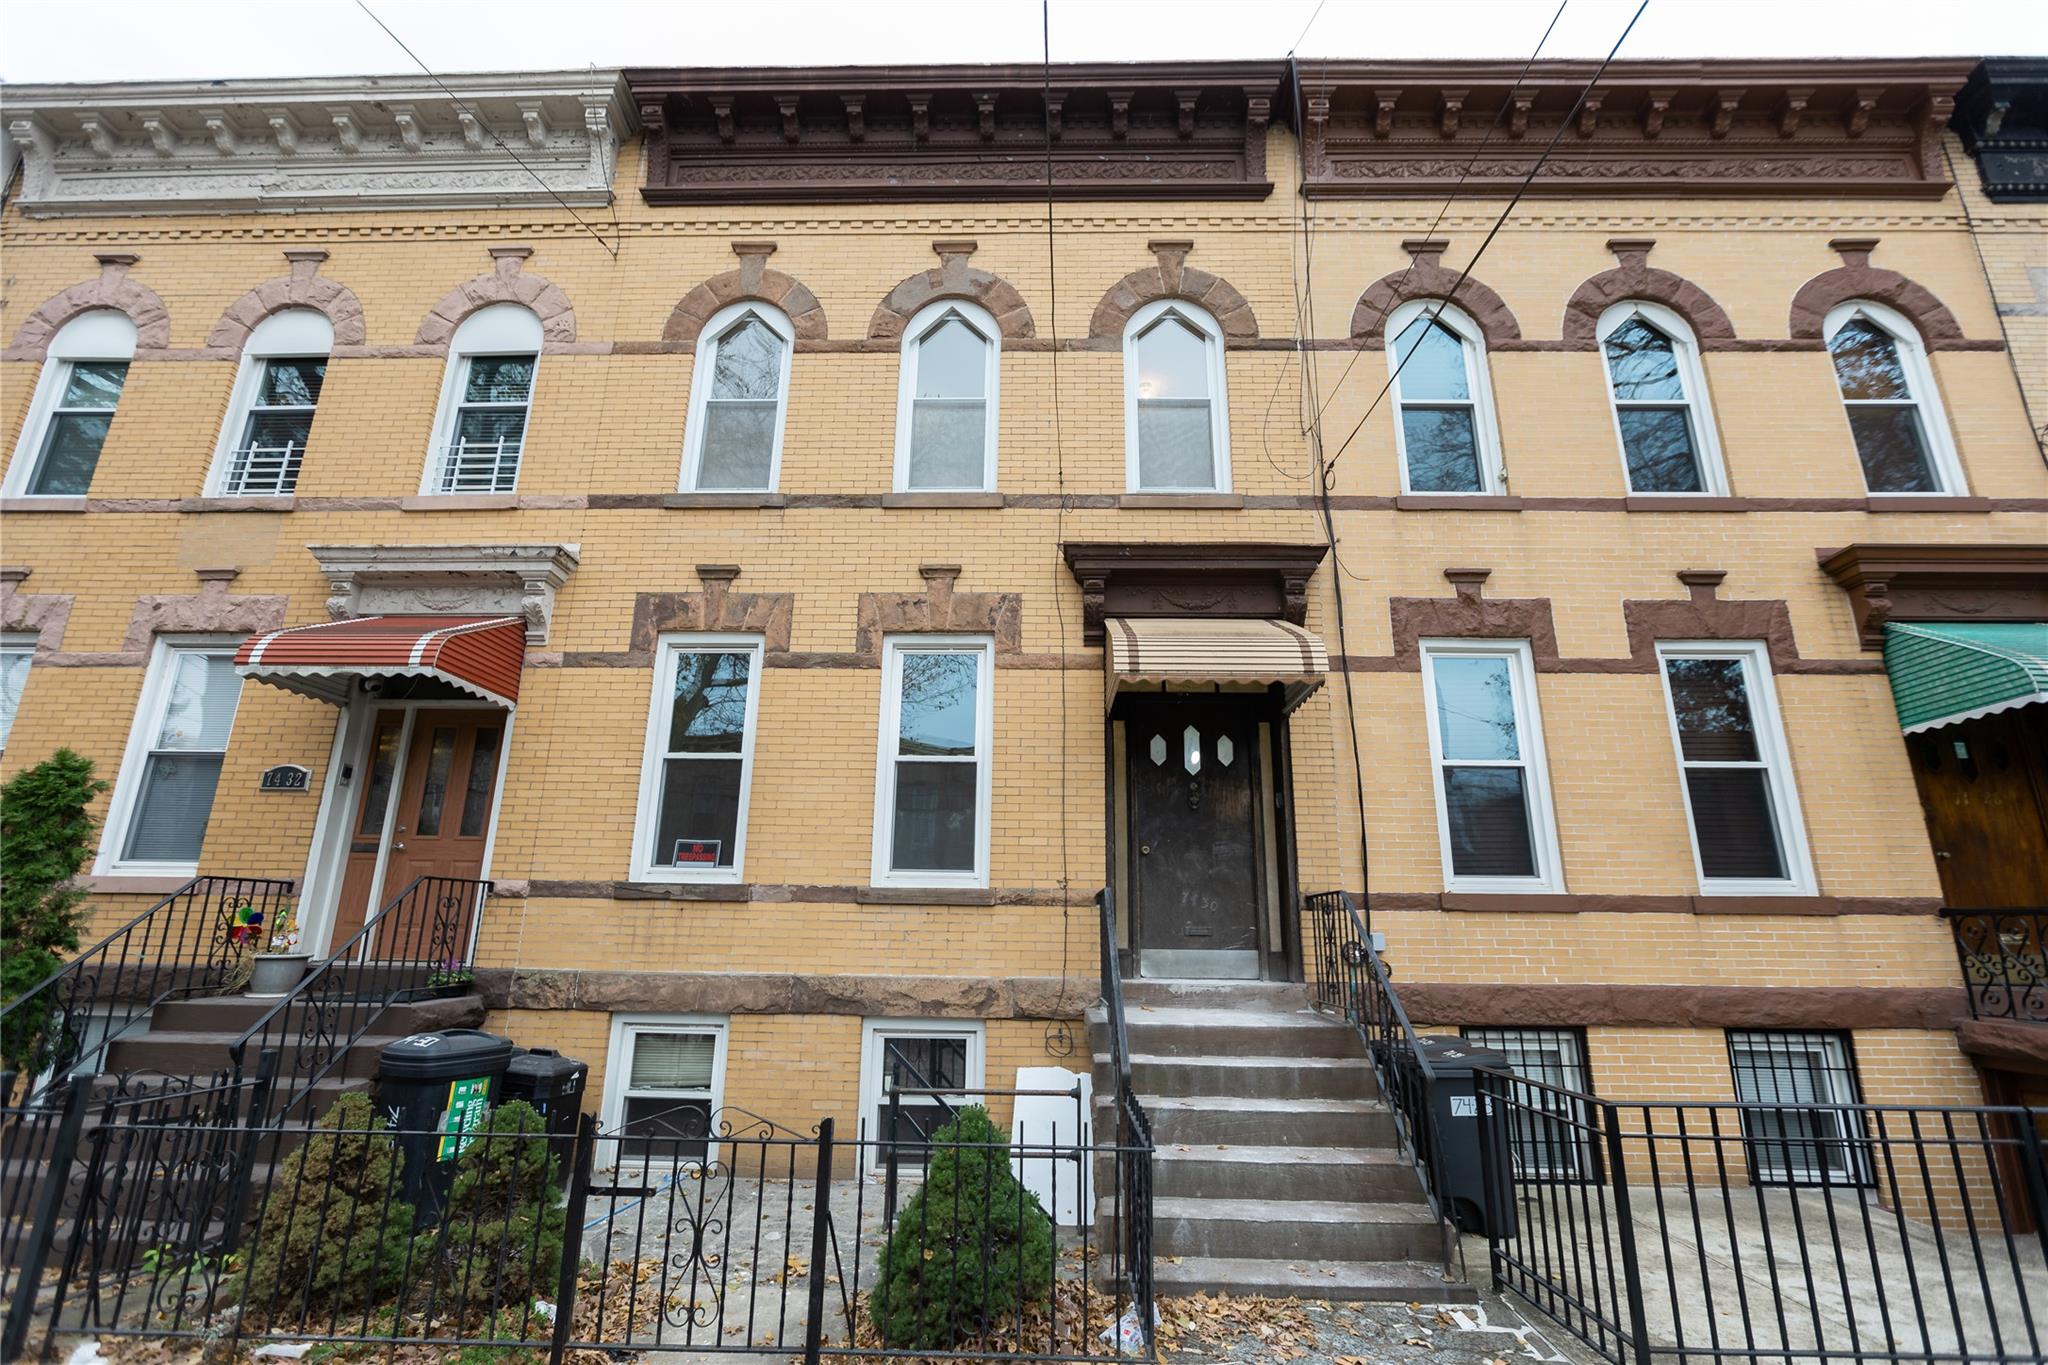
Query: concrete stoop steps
[1277,1169]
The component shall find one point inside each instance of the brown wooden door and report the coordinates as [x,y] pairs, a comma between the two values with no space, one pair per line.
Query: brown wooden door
[366,835]
[1984,790]
[1194,840]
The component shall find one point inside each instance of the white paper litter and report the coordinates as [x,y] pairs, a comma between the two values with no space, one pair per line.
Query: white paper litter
[543,1310]
[1127,1332]
[283,1350]
[86,1353]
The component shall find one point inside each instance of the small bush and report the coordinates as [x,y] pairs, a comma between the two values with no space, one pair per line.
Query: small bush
[334,1231]
[500,1241]
[970,1245]
[45,839]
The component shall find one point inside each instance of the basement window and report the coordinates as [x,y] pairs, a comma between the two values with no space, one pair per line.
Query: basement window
[1555,1135]
[664,1080]
[1798,1126]
[915,1054]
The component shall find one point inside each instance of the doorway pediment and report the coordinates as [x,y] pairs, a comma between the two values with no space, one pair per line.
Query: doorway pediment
[471,579]
[1195,579]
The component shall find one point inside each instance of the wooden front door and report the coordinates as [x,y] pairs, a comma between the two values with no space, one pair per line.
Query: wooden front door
[1194,840]
[443,789]
[1984,790]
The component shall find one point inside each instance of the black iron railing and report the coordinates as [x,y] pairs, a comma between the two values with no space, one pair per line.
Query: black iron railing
[1133,1143]
[416,945]
[178,946]
[2004,957]
[1348,978]
[1722,1231]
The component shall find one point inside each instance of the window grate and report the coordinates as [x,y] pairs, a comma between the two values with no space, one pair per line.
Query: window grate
[257,469]
[1563,1142]
[1800,1123]
[480,466]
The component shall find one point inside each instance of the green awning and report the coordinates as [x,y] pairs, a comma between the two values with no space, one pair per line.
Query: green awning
[1947,672]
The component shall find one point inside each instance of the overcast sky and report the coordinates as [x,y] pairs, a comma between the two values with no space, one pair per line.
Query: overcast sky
[99,40]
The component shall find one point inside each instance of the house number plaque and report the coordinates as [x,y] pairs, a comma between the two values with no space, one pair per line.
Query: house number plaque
[285,777]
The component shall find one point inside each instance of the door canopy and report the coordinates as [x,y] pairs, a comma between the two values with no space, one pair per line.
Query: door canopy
[1948,671]
[1230,653]
[481,655]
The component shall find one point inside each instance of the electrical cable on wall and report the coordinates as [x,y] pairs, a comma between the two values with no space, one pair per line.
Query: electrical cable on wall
[1059,1040]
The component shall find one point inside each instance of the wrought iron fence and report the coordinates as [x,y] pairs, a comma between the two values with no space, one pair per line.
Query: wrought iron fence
[2004,957]
[1133,1125]
[178,946]
[1723,1231]
[1350,979]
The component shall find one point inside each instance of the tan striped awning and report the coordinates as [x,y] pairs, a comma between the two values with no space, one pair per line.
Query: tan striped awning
[1146,654]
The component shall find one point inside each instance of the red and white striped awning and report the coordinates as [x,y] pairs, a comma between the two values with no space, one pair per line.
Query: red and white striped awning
[482,655]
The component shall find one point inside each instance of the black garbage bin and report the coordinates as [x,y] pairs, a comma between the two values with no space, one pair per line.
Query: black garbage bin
[1454,1108]
[552,1084]
[436,1088]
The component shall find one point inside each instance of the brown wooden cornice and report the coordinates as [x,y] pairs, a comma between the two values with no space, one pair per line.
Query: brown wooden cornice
[1867,128]
[1191,579]
[1165,130]
[1889,583]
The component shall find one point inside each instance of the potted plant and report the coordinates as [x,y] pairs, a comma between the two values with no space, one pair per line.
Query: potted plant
[277,966]
[452,977]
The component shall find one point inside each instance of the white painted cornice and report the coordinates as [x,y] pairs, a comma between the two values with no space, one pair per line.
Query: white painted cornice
[341,143]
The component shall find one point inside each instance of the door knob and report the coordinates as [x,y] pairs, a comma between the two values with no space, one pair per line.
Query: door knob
[397,848]
[1144,848]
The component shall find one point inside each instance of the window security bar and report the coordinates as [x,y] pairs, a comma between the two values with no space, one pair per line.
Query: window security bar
[265,469]
[480,466]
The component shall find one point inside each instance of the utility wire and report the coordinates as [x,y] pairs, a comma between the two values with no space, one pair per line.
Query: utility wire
[1498,223]
[503,146]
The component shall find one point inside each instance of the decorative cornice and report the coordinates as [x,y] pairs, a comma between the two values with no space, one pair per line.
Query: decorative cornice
[1190,579]
[1189,131]
[354,143]
[2002,115]
[1888,583]
[516,580]
[1742,128]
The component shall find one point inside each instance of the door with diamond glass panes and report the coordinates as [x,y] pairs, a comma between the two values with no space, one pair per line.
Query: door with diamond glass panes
[1194,840]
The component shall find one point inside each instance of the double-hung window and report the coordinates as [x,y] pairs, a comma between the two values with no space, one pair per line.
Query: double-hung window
[1659,393]
[84,371]
[1492,791]
[664,1079]
[738,392]
[932,778]
[1894,409]
[1443,401]
[1555,1135]
[1798,1120]
[700,742]
[480,436]
[1747,833]
[900,1055]
[946,404]
[270,418]
[15,653]
[1176,423]
[157,821]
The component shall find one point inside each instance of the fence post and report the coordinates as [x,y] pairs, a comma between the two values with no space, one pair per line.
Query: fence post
[572,1237]
[893,1122]
[821,1227]
[243,1171]
[49,1207]
[2035,1161]
[1631,1267]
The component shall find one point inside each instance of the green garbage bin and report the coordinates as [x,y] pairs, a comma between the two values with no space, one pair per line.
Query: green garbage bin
[437,1089]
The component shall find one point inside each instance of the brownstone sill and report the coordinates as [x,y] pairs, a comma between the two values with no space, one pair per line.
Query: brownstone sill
[19,505]
[923,895]
[459,502]
[959,499]
[1180,502]
[1906,502]
[727,892]
[724,500]
[1683,502]
[1458,502]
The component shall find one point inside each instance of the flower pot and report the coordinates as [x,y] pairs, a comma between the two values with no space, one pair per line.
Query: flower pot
[276,973]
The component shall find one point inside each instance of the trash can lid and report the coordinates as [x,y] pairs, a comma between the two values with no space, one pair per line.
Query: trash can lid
[446,1055]
[1456,1056]
[544,1063]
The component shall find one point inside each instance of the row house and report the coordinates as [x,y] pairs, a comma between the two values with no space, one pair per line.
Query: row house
[799,534]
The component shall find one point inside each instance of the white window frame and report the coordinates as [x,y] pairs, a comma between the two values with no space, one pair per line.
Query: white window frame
[291,334]
[149,715]
[102,335]
[618,1065]
[25,646]
[1198,318]
[1942,459]
[893,649]
[927,320]
[776,321]
[1478,383]
[875,1033]
[500,329]
[1692,378]
[1774,755]
[1534,762]
[667,649]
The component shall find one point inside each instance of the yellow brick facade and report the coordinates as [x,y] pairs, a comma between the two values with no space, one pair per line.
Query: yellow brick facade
[605,421]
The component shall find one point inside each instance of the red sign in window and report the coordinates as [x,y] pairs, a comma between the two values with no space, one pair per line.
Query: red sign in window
[697,852]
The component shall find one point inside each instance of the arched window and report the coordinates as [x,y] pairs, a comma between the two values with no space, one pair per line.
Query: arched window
[73,408]
[1176,425]
[946,400]
[1444,402]
[1894,410]
[738,393]
[270,415]
[480,434]
[1659,393]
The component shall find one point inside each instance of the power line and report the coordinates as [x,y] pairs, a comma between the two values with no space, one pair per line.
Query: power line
[1315,15]
[1498,223]
[503,146]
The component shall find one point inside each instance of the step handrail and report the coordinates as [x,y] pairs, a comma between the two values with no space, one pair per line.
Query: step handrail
[1134,1129]
[332,1008]
[177,946]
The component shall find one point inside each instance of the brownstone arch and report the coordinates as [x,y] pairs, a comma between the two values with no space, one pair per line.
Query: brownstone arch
[1425,278]
[508,282]
[953,278]
[1173,278]
[1635,278]
[1857,278]
[113,289]
[753,280]
[305,287]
